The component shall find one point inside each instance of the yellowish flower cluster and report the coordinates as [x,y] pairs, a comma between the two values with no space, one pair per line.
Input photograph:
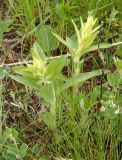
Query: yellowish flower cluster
[86,35]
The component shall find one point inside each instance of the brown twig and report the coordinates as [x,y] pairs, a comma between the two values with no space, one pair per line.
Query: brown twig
[17,63]
[50,58]
[30,62]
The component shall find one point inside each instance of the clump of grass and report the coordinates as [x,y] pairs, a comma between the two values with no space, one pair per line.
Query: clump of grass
[74,123]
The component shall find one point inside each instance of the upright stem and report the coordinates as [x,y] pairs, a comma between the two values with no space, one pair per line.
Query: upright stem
[53,110]
[76,66]
[76,70]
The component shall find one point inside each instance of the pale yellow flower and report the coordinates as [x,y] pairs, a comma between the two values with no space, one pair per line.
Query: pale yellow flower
[86,35]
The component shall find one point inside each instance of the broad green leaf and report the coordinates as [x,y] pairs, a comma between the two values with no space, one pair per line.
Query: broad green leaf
[47,93]
[37,51]
[71,43]
[38,58]
[26,72]
[59,81]
[54,67]
[22,70]
[101,46]
[82,77]
[18,69]
[61,40]
[48,118]
[46,39]
[26,81]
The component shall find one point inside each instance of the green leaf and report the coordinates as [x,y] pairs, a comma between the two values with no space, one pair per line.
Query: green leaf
[54,67]
[18,69]
[71,43]
[22,70]
[118,63]
[8,156]
[38,59]
[114,79]
[61,40]
[27,72]
[101,46]
[26,81]
[3,71]
[59,9]
[11,133]
[47,93]
[46,39]
[94,96]
[12,150]
[82,77]
[37,51]
[3,138]
[119,47]
[23,150]
[48,118]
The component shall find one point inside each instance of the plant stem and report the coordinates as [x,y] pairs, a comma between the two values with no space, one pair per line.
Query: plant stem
[76,68]
[53,110]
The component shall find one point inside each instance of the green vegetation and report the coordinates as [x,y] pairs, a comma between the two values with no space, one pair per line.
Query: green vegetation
[60,80]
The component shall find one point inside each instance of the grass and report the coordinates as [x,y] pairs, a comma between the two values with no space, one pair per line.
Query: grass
[83,131]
